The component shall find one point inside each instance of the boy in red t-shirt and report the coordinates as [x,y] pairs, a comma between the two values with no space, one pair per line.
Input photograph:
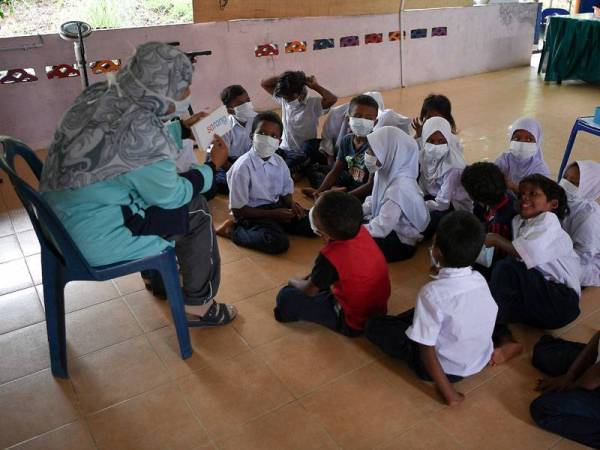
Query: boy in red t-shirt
[349,282]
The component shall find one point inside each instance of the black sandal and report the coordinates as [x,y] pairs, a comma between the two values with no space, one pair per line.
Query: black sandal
[218,314]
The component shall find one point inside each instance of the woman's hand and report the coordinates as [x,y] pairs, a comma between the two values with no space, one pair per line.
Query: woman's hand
[218,151]
[190,121]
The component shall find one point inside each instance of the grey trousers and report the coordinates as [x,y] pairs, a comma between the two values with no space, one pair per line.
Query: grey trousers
[198,255]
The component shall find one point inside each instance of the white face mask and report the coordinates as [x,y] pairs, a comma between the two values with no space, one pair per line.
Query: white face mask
[265,146]
[436,152]
[312,222]
[523,150]
[371,163]
[569,187]
[244,112]
[361,127]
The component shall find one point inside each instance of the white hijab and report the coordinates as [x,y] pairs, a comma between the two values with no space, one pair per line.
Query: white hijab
[433,169]
[589,180]
[396,180]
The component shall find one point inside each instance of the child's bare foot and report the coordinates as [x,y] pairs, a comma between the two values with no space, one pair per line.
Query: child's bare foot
[309,192]
[225,229]
[505,351]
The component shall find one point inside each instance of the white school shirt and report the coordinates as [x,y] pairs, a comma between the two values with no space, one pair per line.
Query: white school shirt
[391,218]
[238,139]
[299,123]
[255,182]
[583,225]
[447,189]
[456,314]
[543,245]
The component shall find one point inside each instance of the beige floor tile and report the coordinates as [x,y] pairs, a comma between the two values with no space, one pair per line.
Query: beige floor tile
[99,326]
[280,268]
[29,242]
[116,374]
[565,444]
[9,248]
[34,264]
[256,324]
[209,345]
[20,309]
[158,419]
[129,283]
[230,393]
[584,330]
[14,275]
[20,219]
[228,251]
[34,405]
[289,428]
[589,303]
[152,313]
[23,351]
[424,435]
[6,227]
[81,294]
[305,361]
[361,409]
[74,436]
[496,415]
[241,279]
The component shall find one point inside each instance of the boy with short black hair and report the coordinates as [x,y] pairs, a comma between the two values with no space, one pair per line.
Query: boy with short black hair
[300,116]
[449,334]
[342,291]
[239,138]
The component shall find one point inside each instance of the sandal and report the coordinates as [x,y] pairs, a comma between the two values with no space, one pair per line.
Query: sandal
[218,314]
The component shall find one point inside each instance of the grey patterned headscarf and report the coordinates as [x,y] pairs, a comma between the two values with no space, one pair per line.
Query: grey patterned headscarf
[115,127]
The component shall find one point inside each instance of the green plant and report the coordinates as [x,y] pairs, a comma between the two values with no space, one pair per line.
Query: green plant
[105,13]
[5,5]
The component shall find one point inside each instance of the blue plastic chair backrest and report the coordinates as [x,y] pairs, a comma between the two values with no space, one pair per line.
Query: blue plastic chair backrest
[50,231]
[552,12]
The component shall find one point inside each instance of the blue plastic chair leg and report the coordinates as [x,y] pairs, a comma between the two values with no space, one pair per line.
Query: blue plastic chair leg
[568,150]
[170,278]
[54,305]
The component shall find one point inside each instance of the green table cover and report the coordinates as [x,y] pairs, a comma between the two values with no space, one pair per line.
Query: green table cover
[572,49]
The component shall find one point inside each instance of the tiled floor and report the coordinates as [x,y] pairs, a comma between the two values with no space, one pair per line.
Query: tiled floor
[257,383]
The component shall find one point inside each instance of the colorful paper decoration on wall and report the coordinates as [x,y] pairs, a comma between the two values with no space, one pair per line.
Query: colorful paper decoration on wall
[373,38]
[295,47]
[61,71]
[105,65]
[418,33]
[349,41]
[394,35]
[322,44]
[439,31]
[266,50]
[12,76]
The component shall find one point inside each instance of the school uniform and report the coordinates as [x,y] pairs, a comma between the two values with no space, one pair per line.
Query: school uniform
[259,183]
[238,141]
[455,314]
[541,287]
[516,169]
[440,178]
[396,212]
[350,291]
[574,413]
[299,142]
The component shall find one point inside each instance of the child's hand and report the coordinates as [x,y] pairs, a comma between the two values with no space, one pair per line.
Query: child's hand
[311,82]
[282,215]
[553,384]
[491,239]
[299,211]
[417,125]
[219,151]
[193,119]
[456,399]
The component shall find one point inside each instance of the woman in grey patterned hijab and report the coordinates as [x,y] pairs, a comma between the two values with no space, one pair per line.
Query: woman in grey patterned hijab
[115,127]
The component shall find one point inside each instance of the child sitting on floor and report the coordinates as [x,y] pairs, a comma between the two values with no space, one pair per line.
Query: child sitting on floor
[349,281]
[449,334]
[434,105]
[260,195]
[238,139]
[538,283]
[349,170]
[442,164]
[300,116]
[396,212]
[582,184]
[570,403]
[524,156]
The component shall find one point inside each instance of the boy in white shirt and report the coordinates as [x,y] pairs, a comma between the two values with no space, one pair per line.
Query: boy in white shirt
[449,334]
[300,114]
[538,283]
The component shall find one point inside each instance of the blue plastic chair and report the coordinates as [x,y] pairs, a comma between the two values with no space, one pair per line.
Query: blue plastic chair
[63,262]
[585,124]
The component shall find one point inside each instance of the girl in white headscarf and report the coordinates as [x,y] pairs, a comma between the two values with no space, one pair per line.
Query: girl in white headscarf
[396,210]
[524,156]
[442,164]
[582,184]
